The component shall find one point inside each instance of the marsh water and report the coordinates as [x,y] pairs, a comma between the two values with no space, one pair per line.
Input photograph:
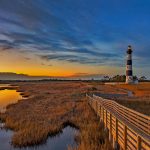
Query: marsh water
[8,97]
[58,142]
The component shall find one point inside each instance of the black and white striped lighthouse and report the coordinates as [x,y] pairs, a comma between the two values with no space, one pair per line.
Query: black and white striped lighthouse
[129,75]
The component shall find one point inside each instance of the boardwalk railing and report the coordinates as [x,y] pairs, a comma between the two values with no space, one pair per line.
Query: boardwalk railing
[128,129]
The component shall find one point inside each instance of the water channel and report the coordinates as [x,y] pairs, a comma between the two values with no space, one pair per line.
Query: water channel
[58,142]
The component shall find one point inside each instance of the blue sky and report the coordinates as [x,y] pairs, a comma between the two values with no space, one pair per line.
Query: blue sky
[79,32]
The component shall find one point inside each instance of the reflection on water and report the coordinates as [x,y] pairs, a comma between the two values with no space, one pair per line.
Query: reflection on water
[5,139]
[8,97]
[60,142]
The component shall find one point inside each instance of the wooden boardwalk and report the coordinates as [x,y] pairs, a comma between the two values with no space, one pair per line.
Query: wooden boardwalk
[128,129]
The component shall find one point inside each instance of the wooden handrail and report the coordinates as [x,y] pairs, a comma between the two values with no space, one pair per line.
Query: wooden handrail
[132,128]
[140,118]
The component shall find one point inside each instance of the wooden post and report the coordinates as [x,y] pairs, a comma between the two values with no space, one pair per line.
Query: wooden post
[110,128]
[115,144]
[103,113]
[106,119]
[125,137]
[100,112]
[116,130]
[149,126]
[96,107]
[138,142]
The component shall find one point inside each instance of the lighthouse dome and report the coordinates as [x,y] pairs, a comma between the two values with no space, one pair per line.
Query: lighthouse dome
[129,51]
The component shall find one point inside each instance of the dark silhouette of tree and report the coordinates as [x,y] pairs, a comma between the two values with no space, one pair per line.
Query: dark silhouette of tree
[143,78]
[118,78]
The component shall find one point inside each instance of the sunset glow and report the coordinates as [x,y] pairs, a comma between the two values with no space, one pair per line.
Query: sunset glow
[51,38]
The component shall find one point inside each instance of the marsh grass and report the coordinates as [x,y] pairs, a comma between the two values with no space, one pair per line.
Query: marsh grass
[49,108]
[141,89]
[141,99]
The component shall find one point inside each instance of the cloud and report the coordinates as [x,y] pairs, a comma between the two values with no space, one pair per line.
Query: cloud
[6,45]
[74,31]
[80,74]
[43,64]
[83,58]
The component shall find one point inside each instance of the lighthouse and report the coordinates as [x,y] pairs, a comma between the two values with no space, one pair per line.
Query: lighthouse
[129,73]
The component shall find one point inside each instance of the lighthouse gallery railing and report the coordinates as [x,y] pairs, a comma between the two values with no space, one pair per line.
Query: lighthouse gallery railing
[130,129]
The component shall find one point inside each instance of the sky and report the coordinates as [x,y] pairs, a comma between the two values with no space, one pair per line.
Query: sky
[72,37]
